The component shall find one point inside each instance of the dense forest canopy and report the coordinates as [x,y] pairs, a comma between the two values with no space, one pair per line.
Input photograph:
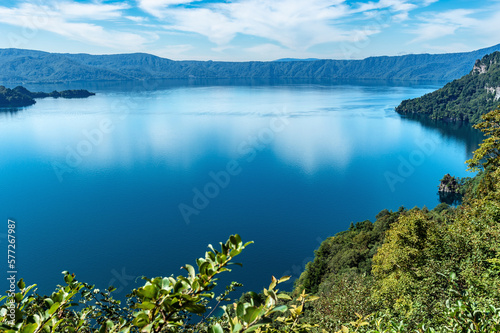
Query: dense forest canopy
[464,99]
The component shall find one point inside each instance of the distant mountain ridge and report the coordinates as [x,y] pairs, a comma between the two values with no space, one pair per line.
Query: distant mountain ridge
[29,66]
[464,99]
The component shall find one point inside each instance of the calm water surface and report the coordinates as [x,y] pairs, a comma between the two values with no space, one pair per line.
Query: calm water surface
[137,180]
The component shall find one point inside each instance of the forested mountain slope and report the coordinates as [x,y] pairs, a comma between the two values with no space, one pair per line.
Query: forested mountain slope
[464,99]
[36,66]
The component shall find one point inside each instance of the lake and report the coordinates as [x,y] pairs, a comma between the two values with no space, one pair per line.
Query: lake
[138,179]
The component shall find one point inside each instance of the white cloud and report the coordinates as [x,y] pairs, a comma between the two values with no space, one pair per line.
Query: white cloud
[156,7]
[137,19]
[487,28]
[267,51]
[450,48]
[62,19]
[394,5]
[437,25]
[92,11]
[294,24]
[172,51]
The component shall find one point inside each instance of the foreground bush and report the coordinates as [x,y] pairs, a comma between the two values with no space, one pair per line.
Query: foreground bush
[163,304]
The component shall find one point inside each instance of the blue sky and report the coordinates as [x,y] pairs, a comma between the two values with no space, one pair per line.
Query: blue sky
[242,30]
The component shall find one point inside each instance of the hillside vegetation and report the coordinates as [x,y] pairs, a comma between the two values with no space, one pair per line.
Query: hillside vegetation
[35,66]
[465,99]
[418,270]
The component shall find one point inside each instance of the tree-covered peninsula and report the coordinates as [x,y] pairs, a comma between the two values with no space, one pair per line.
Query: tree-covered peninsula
[21,97]
[464,99]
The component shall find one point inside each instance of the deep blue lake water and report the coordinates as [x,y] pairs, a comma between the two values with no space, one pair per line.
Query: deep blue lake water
[138,179]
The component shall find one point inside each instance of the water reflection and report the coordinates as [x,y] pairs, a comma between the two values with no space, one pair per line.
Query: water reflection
[166,84]
[319,127]
[450,198]
[464,132]
[8,113]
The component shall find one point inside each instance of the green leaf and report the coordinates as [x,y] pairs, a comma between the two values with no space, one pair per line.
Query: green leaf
[247,243]
[284,278]
[237,327]
[29,328]
[18,297]
[54,308]
[54,328]
[264,322]
[146,306]
[21,284]
[180,286]
[165,284]
[281,308]
[148,291]
[103,328]
[238,240]
[233,240]
[252,313]
[69,278]
[216,329]
[195,308]
[147,328]
[273,283]
[240,310]
[190,270]
[285,297]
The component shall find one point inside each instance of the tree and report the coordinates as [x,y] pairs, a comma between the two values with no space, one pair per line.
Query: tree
[486,158]
[405,266]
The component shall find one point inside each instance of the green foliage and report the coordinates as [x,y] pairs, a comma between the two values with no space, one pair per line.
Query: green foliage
[265,315]
[162,304]
[465,99]
[487,157]
[405,267]
[466,315]
[341,298]
[347,251]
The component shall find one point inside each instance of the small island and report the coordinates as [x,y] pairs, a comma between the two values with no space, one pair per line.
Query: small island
[21,97]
